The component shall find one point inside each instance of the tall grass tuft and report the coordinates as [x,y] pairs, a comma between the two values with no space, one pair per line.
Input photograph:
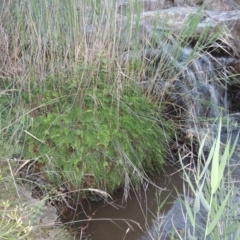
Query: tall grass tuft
[87,124]
[214,193]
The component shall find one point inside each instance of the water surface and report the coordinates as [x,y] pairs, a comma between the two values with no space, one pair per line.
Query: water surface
[129,220]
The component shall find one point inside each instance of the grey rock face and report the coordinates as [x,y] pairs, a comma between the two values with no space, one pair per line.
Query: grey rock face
[158,13]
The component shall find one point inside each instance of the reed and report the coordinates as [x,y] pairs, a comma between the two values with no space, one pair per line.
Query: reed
[209,205]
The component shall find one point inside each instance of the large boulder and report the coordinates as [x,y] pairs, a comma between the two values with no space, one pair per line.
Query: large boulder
[152,5]
[152,19]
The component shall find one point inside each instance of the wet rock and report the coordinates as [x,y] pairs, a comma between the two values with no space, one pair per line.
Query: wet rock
[176,223]
[197,88]
[192,89]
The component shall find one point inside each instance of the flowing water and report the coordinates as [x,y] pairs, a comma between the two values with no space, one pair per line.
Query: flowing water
[198,84]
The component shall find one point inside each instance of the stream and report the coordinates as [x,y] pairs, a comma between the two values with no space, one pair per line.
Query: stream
[129,220]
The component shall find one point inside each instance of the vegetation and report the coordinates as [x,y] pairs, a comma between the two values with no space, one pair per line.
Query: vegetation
[215,192]
[99,141]
[13,221]
[209,206]
[80,119]
[12,224]
[72,110]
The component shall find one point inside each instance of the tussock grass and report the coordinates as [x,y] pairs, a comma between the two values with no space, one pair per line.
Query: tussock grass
[64,59]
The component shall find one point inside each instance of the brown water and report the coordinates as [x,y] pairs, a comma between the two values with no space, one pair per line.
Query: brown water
[127,220]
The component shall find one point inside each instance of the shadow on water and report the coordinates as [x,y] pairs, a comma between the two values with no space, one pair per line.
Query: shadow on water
[130,219]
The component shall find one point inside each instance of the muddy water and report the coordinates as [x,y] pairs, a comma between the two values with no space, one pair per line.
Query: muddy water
[130,219]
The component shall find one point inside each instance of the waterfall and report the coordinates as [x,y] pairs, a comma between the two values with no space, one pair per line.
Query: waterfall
[194,83]
[194,87]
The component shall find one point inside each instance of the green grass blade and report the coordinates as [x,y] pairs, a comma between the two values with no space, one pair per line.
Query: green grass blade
[209,159]
[196,207]
[219,213]
[223,162]
[201,147]
[203,199]
[215,162]
[190,237]
[164,201]
[216,234]
[188,180]
[189,212]
[234,146]
[237,233]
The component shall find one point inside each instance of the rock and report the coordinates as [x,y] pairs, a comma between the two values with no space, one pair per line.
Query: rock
[148,22]
[42,213]
[178,3]
[141,5]
[221,5]
[172,20]
[43,218]
[196,87]
[177,222]
[175,17]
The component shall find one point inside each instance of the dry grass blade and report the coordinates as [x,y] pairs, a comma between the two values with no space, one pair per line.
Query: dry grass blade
[103,193]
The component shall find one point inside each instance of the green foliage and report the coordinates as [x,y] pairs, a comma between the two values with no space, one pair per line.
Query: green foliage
[12,122]
[101,140]
[13,221]
[213,193]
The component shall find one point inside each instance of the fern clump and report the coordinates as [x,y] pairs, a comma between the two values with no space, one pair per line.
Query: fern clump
[100,140]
